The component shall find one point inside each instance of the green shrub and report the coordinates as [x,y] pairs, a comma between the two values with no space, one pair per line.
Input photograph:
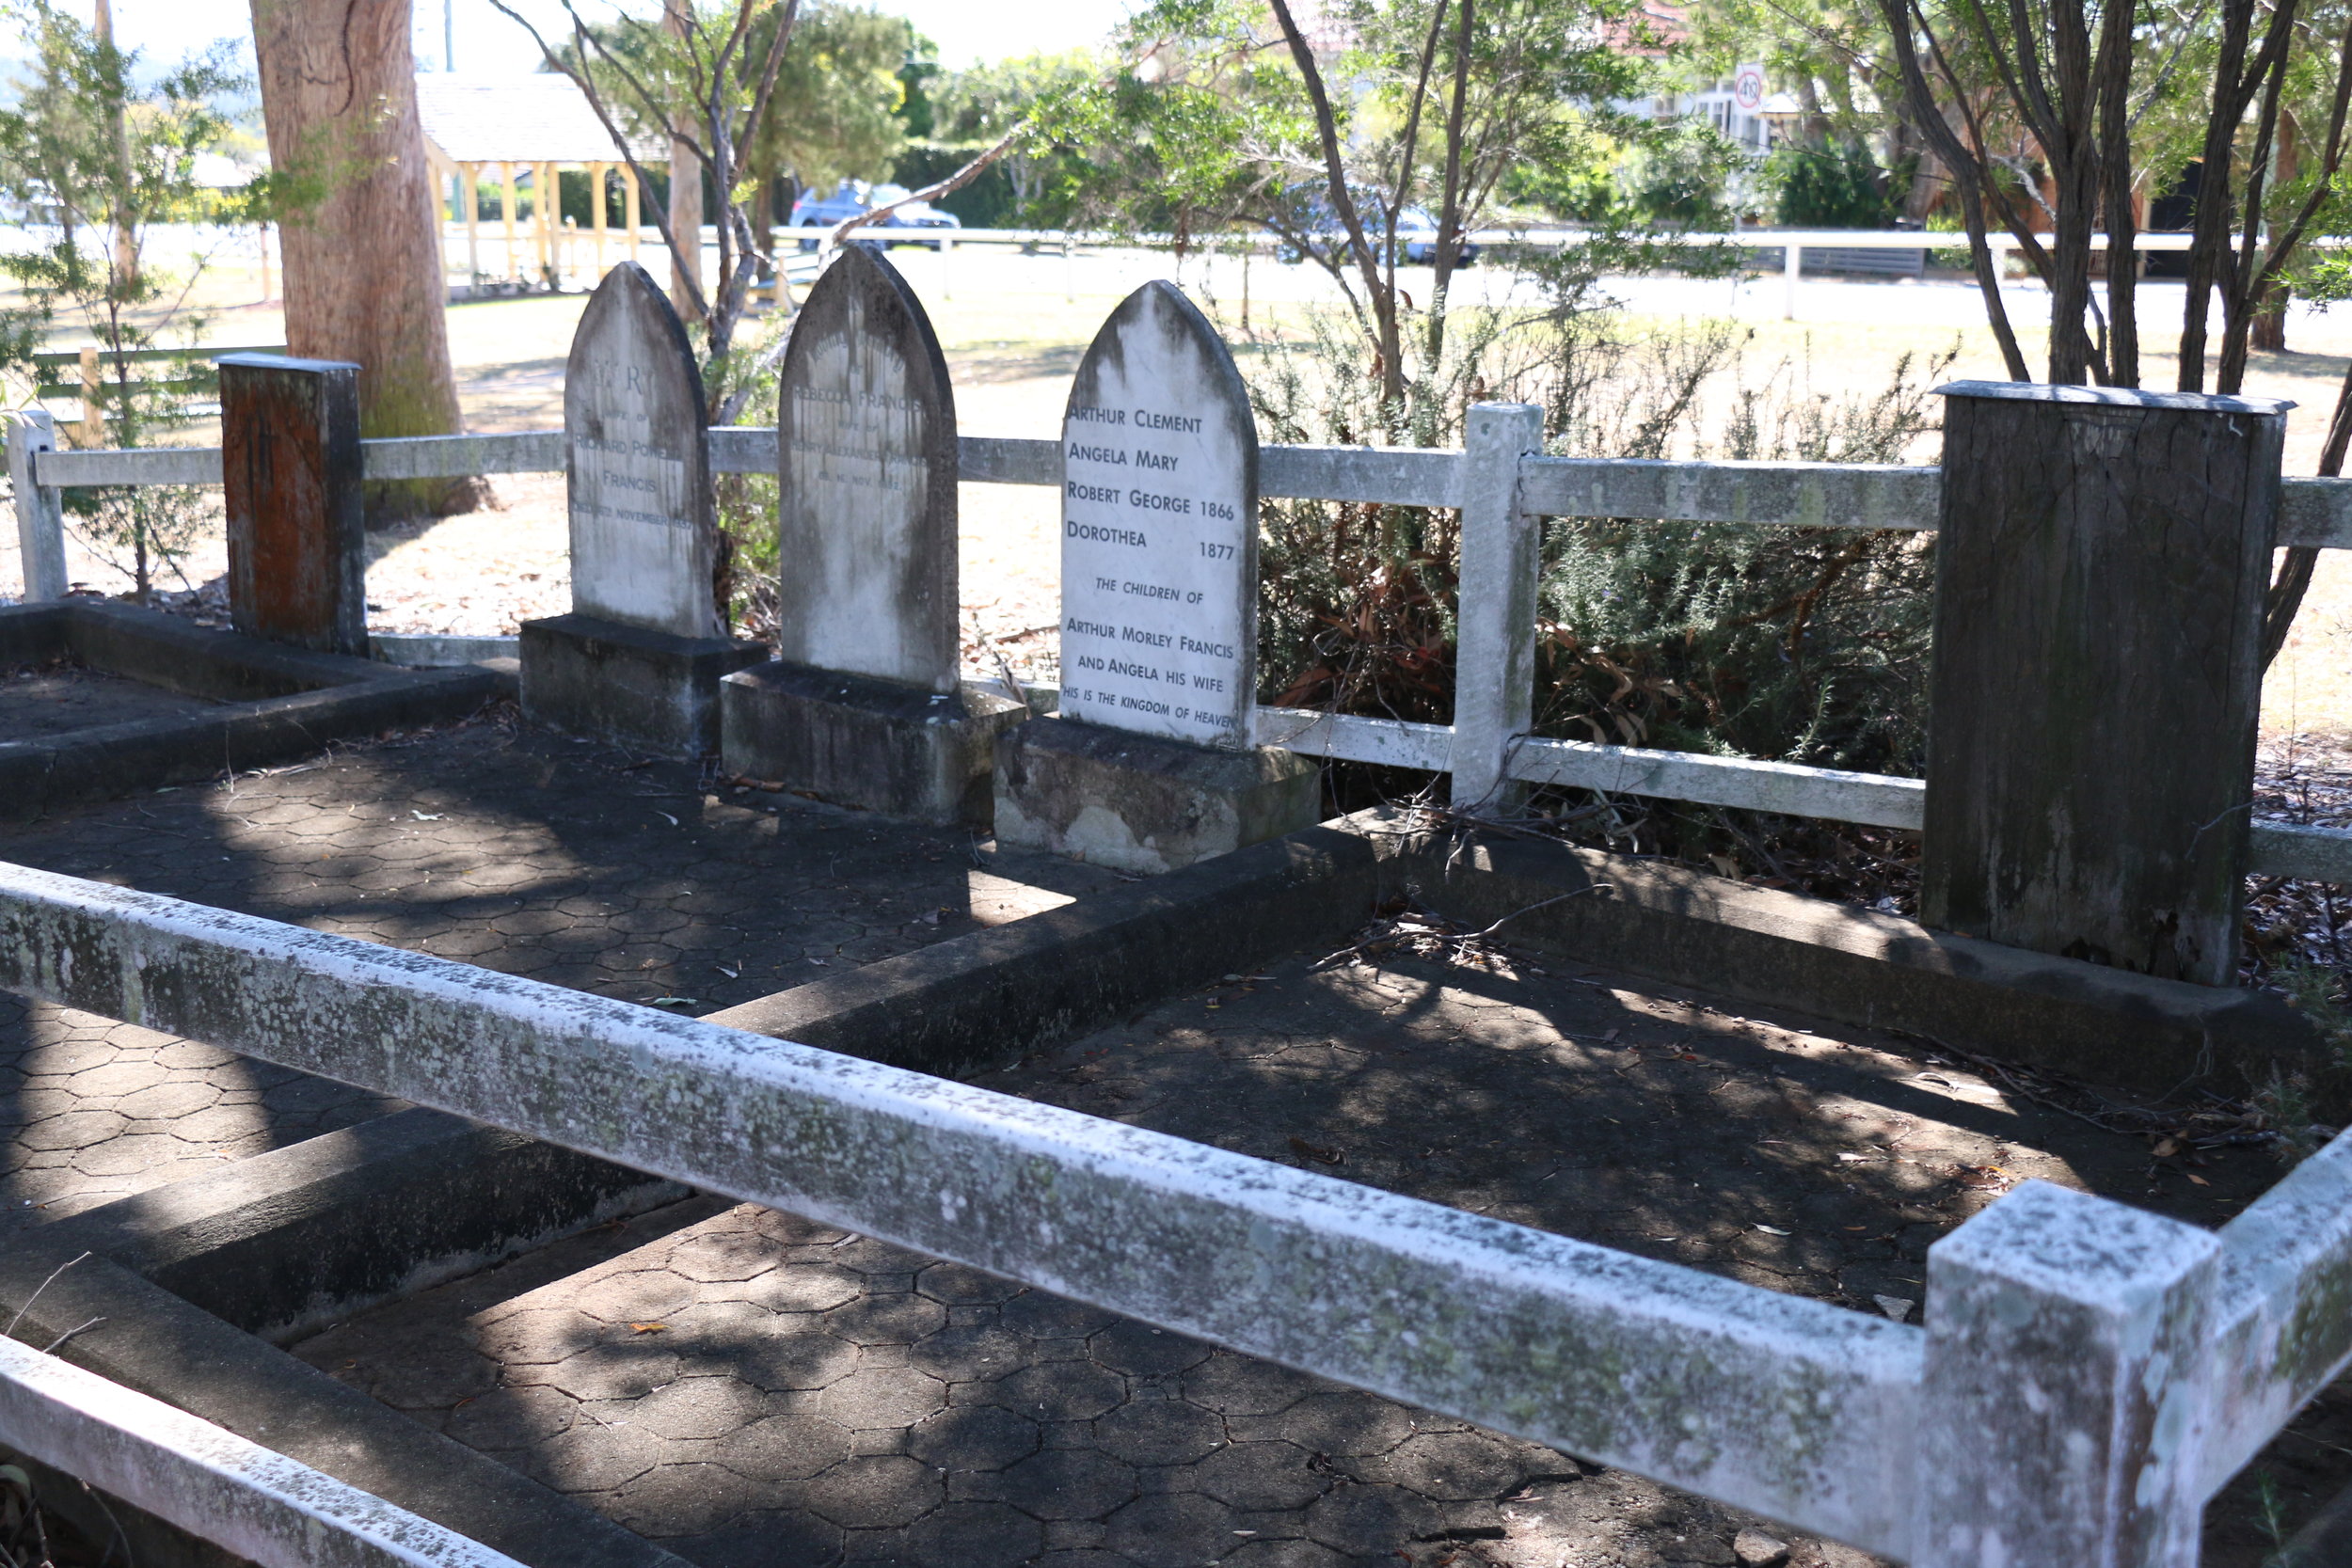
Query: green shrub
[1832,188]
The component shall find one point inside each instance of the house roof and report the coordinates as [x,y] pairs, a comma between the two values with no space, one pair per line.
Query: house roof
[534,118]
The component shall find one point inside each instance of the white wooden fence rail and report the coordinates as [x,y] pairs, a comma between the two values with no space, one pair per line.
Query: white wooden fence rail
[2316,512]
[2064,1404]
[262,1507]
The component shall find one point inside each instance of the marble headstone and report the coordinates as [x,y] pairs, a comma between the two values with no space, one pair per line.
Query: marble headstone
[644,530]
[866,474]
[1159,556]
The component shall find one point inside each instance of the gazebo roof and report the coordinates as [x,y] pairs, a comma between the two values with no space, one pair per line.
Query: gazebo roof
[537,118]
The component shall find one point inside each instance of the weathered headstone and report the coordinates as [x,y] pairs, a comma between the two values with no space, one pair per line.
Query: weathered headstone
[637,660]
[866,463]
[290,482]
[865,704]
[1153,766]
[2100,564]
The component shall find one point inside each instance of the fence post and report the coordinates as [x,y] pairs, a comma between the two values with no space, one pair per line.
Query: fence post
[290,482]
[39,519]
[2061,1407]
[1494,656]
[1792,272]
[2100,566]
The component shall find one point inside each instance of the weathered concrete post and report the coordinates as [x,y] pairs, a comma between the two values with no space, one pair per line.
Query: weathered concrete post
[1149,766]
[1494,657]
[290,478]
[2060,1404]
[39,519]
[637,662]
[2100,573]
[865,704]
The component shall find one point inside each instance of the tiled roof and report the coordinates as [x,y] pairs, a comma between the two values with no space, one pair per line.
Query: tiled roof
[537,118]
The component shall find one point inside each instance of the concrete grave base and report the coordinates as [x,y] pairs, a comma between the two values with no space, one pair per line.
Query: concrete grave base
[1141,803]
[872,744]
[647,691]
[256,702]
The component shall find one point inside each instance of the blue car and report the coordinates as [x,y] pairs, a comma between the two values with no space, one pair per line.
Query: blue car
[853,197]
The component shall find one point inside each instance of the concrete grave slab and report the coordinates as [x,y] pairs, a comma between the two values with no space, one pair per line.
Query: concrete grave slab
[865,706]
[223,701]
[1159,622]
[637,660]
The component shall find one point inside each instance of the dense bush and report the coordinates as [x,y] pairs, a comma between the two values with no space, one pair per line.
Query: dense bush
[1804,645]
[1838,187]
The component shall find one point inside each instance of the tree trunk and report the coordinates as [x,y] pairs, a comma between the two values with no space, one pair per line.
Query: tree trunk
[686,189]
[362,262]
[2268,332]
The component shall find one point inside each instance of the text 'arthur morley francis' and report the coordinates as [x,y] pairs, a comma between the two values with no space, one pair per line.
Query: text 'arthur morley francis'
[1157,508]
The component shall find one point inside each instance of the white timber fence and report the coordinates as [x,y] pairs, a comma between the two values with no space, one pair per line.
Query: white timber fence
[1504,488]
[2087,1375]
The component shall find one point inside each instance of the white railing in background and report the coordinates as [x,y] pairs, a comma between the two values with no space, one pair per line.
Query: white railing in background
[1494,626]
[261,1507]
[2089,1375]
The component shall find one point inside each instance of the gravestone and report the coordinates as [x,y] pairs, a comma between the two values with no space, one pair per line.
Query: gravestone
[865,704]
[1150,767]
[637,662]
[2101,565]
[290,490]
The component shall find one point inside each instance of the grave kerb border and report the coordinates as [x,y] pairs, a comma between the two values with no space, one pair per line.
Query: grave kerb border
[1795,1409]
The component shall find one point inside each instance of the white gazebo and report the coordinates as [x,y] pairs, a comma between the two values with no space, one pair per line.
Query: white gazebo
[540,122]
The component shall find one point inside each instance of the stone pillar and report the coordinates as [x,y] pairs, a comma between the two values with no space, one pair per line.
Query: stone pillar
[2061,1407]
[2100,564]
[290,479]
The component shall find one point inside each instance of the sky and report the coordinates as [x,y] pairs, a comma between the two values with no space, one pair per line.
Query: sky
[965,32]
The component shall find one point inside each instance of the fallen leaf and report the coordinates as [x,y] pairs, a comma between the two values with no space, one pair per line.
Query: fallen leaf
[650,1328]
[674,1002]
[2200,1181]
[734,974]
[665,816]
[428,815]
[2166,1147]
[1771,1231]
[1320,1155]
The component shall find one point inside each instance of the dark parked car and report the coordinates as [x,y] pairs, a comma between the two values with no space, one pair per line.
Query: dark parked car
[853,197]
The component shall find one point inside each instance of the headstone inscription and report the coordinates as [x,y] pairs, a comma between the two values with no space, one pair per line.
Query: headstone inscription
[865,462]
[1159,524]
[1159,529]
[866,704]
[637,457]
[637,662]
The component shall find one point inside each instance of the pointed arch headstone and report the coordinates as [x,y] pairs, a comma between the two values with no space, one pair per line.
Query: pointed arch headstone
[637,453]
[1159,545]
[637,662]
[866,704]
[1159,622]
[866,449]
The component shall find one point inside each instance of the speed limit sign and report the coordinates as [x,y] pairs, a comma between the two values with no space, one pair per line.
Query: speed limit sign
[1747,88]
